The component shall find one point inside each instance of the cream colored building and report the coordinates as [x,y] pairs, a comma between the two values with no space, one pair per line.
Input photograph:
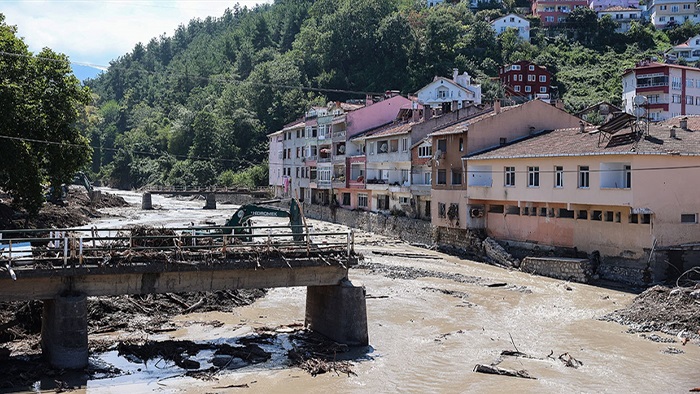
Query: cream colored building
[622,193]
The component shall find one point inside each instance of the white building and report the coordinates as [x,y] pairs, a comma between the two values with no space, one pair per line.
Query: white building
[450,94]
[512,21]
[664,13]
[599,5]
[689,50]
[622,15]
[669,89]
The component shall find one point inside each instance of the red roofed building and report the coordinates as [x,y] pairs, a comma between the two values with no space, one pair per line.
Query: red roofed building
[552,12]
[524,81]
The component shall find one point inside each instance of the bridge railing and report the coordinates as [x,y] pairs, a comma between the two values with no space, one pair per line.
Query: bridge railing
[102,246]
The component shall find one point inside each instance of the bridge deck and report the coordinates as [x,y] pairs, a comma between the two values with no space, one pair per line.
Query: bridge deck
[127,263]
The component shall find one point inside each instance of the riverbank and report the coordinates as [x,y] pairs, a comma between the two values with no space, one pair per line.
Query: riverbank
[432,318]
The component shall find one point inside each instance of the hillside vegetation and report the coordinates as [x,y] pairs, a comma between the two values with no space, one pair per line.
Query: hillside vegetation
[194,108]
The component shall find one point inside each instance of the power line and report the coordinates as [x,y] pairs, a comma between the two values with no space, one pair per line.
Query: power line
[217,79]
[199,158]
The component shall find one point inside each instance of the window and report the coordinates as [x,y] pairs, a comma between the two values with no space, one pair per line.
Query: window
[362,200]
[442,145]
[628,177]
[531,67]
[528,89]
[691,218]
[558,176]
[442,176]
[393,145]
[686,6]
[584,177]
[404,176]
[516,88]
[676,98]
[456,176]
[674,8]
[461,145]
[690,82]
[609,215]
[531,78]
[543,78]
[676,83]
[662,7]
[404,144]
[425,151]
[533,177]
[582,214]
[509,176]
[372,147]
[662,18]
[442,210]
[543,89]
[346,198]
[689,100]
[633,218]
[566,214]
[549,19]
[515,67]
[404,200]
[383,202]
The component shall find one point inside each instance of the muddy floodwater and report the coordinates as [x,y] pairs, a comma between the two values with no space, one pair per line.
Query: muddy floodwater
[431,319]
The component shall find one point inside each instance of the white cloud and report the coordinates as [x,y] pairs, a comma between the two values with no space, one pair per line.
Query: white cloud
[96,32]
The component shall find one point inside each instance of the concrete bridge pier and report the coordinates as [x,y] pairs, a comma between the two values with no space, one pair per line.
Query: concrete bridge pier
[211,201]
[64,331]
[146,202]
[338,312]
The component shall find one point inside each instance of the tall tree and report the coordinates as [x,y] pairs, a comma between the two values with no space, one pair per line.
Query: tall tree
[41,101]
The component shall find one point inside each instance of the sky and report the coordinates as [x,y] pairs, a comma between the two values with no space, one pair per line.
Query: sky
[93,32]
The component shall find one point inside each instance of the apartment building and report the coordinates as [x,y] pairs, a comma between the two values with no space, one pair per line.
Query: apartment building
[624,16]
[524,81]
[688,51]
[494,127]
[666,13]
[621,191]
[449,95]
[552,12]
[670,90]
[599,5]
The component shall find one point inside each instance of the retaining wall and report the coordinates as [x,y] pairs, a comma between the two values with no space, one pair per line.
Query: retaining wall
[576,270]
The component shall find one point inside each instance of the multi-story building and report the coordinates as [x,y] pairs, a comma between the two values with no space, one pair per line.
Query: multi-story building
[599,5]
[688,51]
[421,177]
[512,21]
[612,189]
[622,15]
[448,95]
[495,127]
[525,81]
[552,12]
[666,13]
[313,159]
[669,89]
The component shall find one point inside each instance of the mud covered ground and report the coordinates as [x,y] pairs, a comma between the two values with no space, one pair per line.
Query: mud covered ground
[75,210]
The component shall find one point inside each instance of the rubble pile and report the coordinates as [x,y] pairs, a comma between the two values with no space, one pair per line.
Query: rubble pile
[670,310]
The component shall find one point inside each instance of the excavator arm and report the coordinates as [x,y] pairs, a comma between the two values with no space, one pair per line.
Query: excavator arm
[241,219]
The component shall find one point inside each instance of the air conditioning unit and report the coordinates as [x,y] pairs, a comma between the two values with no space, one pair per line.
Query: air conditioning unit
[476,212]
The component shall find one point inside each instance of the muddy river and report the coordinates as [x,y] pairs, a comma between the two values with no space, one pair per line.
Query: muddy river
[431,320]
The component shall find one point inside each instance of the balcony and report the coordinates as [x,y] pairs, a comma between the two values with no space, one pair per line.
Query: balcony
[338,135]
[420,189]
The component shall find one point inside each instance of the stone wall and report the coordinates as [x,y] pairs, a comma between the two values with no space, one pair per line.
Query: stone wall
[576,270]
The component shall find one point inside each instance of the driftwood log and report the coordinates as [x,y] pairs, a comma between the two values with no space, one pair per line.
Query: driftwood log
[489,369]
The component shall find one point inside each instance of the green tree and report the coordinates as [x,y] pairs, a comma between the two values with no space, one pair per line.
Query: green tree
[41,103]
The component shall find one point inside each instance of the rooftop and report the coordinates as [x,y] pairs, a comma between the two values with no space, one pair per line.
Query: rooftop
[571,142]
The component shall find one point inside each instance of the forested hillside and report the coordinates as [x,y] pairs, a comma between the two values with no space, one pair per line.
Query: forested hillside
[194,108]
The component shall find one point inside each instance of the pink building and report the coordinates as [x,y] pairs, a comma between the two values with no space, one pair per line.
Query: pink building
[622,192]
[552,12]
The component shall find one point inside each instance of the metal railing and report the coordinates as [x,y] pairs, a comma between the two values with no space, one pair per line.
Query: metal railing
[194,244]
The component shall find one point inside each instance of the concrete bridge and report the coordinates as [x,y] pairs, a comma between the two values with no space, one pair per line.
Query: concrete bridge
[63,267]
[209,193]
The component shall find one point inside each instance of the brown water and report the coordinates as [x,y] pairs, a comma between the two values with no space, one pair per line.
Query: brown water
[424,340]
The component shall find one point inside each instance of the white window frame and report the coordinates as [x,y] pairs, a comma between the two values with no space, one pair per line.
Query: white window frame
[558,177]
[362,200]
[584,177]
[509,176]
[533,176]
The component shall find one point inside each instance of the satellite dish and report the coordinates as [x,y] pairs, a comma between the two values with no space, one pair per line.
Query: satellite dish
[639,100]
[639,112]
